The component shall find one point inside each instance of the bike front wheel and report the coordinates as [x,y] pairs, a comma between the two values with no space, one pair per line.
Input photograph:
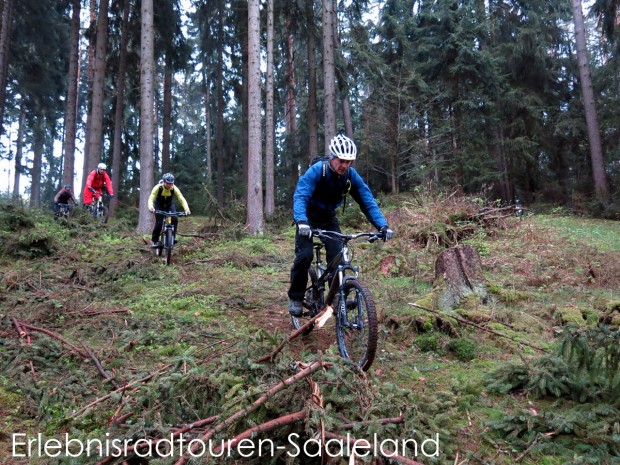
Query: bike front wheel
[102,214]
[168,244]
[356,324]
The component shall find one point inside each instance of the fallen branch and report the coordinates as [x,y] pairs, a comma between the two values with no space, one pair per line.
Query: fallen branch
[532,444]
[100,367]
[20,329]
[467,322]
[381,421]
[215,204]
[176,434]
[267,426]
[83,410]
[56,336]
[106,312]
[365,446]
[255,405]
[293,335]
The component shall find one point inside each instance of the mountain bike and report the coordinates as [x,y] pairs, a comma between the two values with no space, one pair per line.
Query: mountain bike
[166,244]
[97,209]
[354,307]
[63,211]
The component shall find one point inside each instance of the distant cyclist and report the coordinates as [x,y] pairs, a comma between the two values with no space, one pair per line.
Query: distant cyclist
[319,192]
[161,199]
[95,182]
[64,197]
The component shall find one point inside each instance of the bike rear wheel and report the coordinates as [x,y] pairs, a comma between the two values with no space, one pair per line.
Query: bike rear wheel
[356,324]
[314,302]
[168,245]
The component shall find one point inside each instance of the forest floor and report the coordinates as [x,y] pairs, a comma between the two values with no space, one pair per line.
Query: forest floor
[527,377]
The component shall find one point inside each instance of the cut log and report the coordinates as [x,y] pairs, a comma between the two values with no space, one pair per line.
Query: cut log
[458,276]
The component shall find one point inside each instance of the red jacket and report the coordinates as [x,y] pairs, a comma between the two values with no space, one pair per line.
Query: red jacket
[96,181]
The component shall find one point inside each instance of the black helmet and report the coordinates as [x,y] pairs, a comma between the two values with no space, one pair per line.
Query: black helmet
[168,177]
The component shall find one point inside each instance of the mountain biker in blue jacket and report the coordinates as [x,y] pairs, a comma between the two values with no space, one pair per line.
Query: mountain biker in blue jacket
[320,191]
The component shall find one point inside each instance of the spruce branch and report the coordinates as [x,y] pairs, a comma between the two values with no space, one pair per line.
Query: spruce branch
[83,410]
[55,336]
[352,441]
[255,405]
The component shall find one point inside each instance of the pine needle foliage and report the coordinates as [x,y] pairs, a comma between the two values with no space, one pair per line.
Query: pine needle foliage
[584,369]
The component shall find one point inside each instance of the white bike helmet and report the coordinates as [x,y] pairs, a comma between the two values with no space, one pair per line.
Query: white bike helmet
[343,147]
[101,166]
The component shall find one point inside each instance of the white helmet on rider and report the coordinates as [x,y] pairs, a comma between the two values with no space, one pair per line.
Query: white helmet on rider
[343,147]
[101,166]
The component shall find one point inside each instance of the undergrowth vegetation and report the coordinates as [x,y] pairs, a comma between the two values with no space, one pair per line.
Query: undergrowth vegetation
[100,340]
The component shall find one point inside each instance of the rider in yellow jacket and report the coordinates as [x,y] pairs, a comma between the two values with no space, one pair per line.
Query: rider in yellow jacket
[161,200]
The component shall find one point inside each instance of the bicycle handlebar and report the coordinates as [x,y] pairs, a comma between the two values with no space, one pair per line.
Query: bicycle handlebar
[164,213]
[373,236]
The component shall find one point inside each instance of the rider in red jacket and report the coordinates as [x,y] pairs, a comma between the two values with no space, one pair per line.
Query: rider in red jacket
[94,184]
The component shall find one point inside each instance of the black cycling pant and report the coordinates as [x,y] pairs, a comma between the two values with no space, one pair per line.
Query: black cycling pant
[304,256]
[159,224]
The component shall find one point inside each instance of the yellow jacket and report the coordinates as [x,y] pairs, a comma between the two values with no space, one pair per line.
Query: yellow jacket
[161,198]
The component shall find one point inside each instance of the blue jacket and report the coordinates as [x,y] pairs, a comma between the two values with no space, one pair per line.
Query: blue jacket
[317,197]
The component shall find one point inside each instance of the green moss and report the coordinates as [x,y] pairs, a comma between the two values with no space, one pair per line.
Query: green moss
[570,315]
[463,348]
[592,316]
[8,400]
[428,301]
[427,342]
[507,296]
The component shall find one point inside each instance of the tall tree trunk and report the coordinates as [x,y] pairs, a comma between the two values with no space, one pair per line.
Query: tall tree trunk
[5,40]
[90,78]
[71,104]
[596,152]
[96,113]
[291,102]
[19,144]
[147,74]
[343,85]
[291,105]
[166,124]
[37,161]
[207,95]
[329,72]
[254,223]
[245,95]
[270,203]
[120,106]
[392,146]
[219,136]
[313,138]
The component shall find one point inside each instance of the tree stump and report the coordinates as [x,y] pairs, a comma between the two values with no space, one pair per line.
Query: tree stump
[458,276]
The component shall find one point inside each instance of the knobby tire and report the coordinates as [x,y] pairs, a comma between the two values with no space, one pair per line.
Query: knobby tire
[168,245]
[314,302]
[357,342]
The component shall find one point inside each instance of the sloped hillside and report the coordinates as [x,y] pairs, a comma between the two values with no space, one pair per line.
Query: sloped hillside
[102,345]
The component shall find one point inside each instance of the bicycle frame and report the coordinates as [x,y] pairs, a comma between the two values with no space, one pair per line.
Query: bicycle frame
[98,209]
[339,266]
[167,234]
[355,315]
